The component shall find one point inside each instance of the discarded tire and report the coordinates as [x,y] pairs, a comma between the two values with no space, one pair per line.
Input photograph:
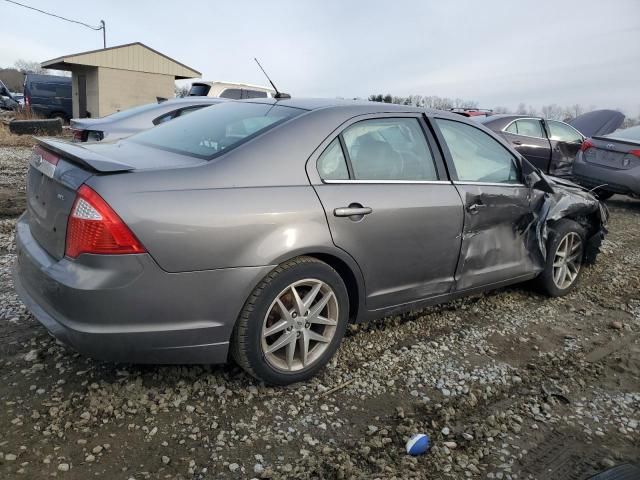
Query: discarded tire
[36,127]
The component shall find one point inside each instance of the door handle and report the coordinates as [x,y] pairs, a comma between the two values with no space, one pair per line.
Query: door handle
[353,210]
[475,208]
[517,142]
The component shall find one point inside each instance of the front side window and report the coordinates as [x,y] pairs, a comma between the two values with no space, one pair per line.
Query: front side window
[477,157]
[208,132]
[563,132]
[389,149]
[332,164]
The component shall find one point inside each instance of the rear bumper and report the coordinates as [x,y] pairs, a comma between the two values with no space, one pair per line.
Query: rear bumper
[125,308]
[617,180]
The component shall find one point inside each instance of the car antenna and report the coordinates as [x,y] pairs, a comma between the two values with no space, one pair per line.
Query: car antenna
[278,94]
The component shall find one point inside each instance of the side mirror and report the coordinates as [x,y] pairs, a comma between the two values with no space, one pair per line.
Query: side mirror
[534,178]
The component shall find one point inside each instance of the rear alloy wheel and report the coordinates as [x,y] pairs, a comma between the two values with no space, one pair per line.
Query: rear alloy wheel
[565,254]
[293,322]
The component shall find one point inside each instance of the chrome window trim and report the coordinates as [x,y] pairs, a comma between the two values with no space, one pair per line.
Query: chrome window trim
[526,136]
[400,182]
[489,184]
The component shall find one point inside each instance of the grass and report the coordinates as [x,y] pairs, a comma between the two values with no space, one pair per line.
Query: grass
[8,139]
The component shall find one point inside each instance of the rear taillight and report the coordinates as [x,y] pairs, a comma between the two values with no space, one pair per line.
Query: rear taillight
[635,152]
[27,101]
[586,145]
[45,161]
[78,135]
[95,228]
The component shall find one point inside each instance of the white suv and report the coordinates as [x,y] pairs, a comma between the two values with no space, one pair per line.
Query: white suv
[235,91]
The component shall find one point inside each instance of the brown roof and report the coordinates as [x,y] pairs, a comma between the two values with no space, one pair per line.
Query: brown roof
[91,56]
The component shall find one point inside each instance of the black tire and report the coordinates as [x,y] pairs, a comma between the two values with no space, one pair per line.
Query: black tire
[557,233]
[36,127]
[246,346]
[603,194]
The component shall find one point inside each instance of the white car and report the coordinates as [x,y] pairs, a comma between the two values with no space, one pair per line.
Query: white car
[235,91]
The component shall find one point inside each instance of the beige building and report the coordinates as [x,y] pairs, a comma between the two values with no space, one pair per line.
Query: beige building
[116,78]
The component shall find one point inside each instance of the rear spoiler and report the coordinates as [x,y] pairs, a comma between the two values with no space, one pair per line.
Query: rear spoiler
[80,155]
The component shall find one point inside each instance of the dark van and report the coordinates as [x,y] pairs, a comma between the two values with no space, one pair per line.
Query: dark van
[48,96]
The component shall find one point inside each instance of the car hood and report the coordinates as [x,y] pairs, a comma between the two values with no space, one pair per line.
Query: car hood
[598,122]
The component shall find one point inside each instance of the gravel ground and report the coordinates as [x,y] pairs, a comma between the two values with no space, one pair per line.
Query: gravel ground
[508,385]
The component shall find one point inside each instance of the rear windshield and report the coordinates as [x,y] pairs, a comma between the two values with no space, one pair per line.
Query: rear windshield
[629,134]
[210,131]
[199,90]
[130,112]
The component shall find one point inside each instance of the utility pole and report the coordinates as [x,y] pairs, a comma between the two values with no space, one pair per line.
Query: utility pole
[103,26]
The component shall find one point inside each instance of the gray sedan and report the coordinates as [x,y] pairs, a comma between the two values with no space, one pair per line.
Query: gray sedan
[610,164]
[262,228]
[133,120]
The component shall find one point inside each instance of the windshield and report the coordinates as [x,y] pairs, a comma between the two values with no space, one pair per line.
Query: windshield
[630,134]
[210,131]
[199,90]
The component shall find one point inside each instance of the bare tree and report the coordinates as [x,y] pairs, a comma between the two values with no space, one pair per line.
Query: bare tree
[181,91]
[27,66]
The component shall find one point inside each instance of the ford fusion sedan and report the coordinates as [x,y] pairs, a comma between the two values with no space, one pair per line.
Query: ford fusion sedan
[259,229]
[610,164]
[133,120]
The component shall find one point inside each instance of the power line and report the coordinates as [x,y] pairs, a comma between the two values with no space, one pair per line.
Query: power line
[101,27]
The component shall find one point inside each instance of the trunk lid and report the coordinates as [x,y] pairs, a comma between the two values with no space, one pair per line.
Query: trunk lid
[609,153]
[57,169]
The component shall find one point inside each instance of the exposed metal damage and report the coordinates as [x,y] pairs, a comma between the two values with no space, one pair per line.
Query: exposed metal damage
[488,245]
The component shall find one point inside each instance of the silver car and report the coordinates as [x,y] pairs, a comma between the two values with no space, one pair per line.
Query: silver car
[262,228]
[137,119]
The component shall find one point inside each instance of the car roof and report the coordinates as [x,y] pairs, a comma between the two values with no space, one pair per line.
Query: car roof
[357,106]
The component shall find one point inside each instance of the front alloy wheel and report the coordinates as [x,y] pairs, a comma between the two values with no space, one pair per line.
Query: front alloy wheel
[565,253]
[567,261]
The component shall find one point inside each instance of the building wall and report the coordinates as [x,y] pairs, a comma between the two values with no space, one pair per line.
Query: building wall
[122,89]
[93,86]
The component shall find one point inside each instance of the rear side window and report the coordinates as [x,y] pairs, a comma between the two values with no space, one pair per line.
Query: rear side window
[208,132]
[232,93]
[389,149]
[253,94]
[477,157]
[332,164]
[562,132]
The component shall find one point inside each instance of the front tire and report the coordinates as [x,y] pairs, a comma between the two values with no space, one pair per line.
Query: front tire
[292,323]
[565,256]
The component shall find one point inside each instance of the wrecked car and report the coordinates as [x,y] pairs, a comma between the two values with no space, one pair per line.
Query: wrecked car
[259,229]
[549,145]
[610,164]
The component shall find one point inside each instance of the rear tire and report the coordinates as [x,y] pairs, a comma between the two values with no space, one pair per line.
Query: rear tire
[565,257]
[292,323]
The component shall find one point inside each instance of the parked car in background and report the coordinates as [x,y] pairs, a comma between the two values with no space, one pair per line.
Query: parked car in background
[8,101]
[48,96]
[550,145]
[127,122]
[263,227]
[234,91]
[19,97]
[610,164]
[472,112]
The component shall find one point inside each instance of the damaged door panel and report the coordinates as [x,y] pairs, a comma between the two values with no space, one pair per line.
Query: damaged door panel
[496,239]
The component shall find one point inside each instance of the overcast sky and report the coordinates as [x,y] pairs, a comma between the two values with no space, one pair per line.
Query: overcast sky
[498,53]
